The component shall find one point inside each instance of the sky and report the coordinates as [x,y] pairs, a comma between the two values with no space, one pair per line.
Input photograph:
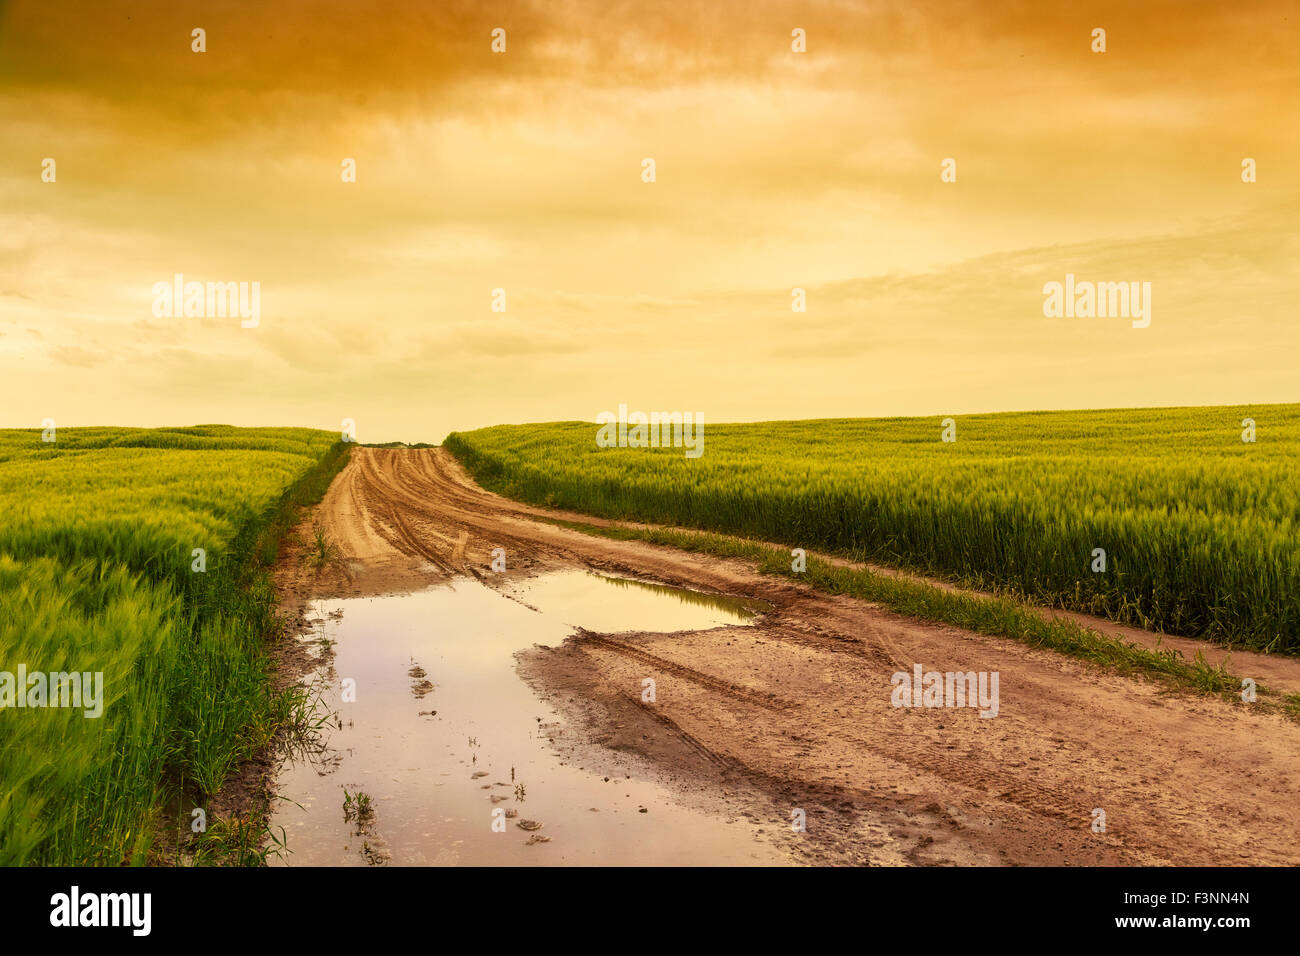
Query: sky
[523,171]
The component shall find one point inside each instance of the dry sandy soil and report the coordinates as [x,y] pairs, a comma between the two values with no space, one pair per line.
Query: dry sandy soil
[795,712]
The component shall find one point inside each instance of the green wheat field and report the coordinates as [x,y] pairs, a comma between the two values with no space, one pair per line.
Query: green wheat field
[99,531]
[97,574]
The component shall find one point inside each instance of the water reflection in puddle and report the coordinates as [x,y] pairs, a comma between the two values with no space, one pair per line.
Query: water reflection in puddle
[578,601]
[443,732]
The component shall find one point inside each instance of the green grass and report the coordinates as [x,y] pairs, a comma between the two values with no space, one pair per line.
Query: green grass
[1201,530]
[97,574]
[321,552]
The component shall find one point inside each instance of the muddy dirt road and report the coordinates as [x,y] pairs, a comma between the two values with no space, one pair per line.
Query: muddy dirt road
[794,713]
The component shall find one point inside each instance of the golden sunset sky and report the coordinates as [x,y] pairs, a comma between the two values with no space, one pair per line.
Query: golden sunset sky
[522,171]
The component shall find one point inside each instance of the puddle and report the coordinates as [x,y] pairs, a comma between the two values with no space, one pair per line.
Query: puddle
[443,732]
[584,600]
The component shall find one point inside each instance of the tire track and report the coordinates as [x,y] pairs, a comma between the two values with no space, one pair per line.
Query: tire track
[734,691]
[1193,780]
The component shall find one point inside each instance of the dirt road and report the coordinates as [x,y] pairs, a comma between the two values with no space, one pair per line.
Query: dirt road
[795,713]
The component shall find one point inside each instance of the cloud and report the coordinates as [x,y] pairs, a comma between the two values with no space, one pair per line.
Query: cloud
[77,357]
[522,172]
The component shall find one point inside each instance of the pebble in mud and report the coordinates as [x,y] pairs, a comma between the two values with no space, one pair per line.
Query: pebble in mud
[528,825]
